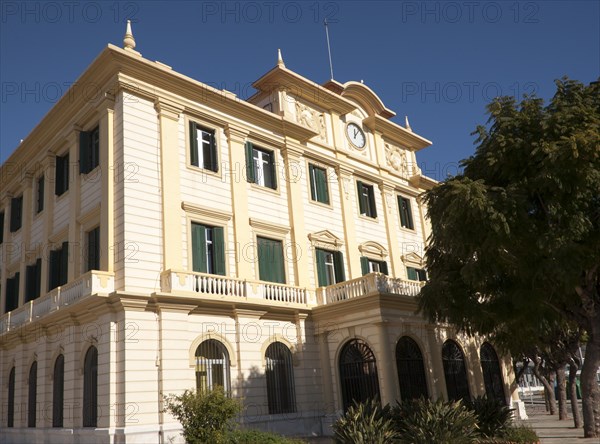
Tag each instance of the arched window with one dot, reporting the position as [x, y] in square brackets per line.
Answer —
[58, 384]
[90, 388]
[455, 371]
[32, 399]
[11, 399]
[281, 391]
[492, 376]
[358, 373]
[212, 366]
[411, 370]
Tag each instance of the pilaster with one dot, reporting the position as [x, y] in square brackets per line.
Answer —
[388, 197]
[236, 138]
[389, 388]
[436, 366]
[26, 216]
[74, 206]
[168, 117]
[346, 183]
[292, 155]
[107, 168]
[49, 178]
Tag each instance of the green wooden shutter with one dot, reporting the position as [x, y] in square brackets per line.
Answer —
[270, 260]
[211, 154]
[85, 152]
[312, 179]
[383, 267]
[53, 270]
[364, 265]
[372, 205]
[64, 263]
[422, 274]
[250, 171]
[338, 263]
[30, 283]
[278, 263]
[38, 277]
[412, 273]
[219, 250]
[193, 145]
[321, 269]
[58, 176]
[16, 211]
[93, 249]
[40, 194]
[273, 170]
[1, 227]
[361, 198]
[199, 248]
[322, 189]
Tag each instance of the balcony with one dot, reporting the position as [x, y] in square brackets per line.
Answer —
[230, 288]
[91, 283]
[370, 284]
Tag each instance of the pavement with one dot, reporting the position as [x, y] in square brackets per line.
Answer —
[551, 430]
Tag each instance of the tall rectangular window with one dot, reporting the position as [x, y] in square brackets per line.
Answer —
[271, 266]
[1, 227]
[406, 219]
[89, 150]
[93, 249]
[62, 175]
[366, 200]
[203, 148]
[16, 213]
[58, 267]
[39, 204]
[368, 265]
[319, 191]
[208, 249]
[416, 274]
[330, 267]
[33, 281]
[260, 166]
[12, 293]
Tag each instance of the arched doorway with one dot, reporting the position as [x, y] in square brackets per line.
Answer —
[492, 375]
[455, 371]
[411, 370]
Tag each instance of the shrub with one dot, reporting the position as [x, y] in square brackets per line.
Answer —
[258, 437]
[423, 421]
[521, 435]
[365, 423]
[206, 417]
[493, 417]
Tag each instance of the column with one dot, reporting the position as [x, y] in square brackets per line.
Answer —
[168, 117]
[236, 138]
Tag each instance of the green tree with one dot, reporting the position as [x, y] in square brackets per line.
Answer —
[517, 234]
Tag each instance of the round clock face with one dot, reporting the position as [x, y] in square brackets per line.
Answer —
[356, 136]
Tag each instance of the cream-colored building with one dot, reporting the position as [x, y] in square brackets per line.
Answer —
[159, 234]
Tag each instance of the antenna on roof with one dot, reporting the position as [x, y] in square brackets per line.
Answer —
[328, 47]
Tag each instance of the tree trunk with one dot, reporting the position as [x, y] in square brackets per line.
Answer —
[573, 392]
[589, 386]
[561, 386]
[548, 389]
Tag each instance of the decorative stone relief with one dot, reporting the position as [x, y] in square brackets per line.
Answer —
[396, 158]
[389, 197]
[312, 119]
[347, 184]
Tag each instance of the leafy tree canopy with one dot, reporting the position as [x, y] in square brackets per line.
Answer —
[517, 234]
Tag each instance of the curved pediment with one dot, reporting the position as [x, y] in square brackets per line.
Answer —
[413, 259]
[373, 249]
[363, 95]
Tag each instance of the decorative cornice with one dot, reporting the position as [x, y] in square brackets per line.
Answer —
[269, 226]
[206, 212]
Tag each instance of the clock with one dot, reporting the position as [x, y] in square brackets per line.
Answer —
[355, 135]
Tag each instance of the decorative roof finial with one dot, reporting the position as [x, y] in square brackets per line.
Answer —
[128, 40]
[406, 124]
[280, 59]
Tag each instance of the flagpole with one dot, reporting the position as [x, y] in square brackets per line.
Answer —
[328, 47]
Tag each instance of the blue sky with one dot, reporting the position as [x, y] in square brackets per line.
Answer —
[437, 62]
